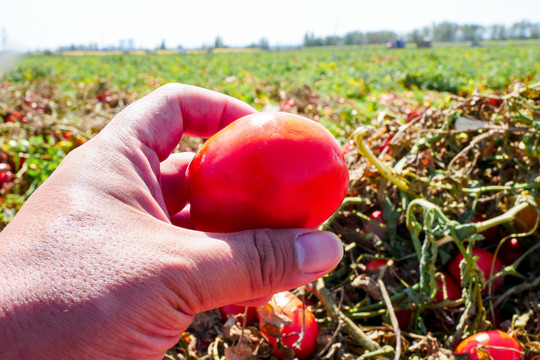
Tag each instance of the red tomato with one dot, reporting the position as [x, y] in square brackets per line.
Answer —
[373, 226]
[6, 175]
[385, 143]
[375, 264]
[526, 219]
[452, 289]
[495, 102]
[286, 303]
[413, 114]
[347, 147]
[404, 318]
[504, 346]
[267, 170]
[239, 312]
[510, 251]
[485, 259]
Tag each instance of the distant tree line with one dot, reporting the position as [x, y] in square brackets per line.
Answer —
[442, 32]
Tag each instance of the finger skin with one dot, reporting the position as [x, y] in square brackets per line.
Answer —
[175, 110]
[183, 219]
[92, 267]
[173, 181]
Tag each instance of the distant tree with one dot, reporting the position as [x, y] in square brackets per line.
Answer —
[472, 32]
[415, 36]
[354, 38]
[311, 40]
[497, 32]
[445, 31]
[520, 29]
[380, 37]
[218, 43]
[162, 46]
[534, 31]
[263, 44]
[331, 40]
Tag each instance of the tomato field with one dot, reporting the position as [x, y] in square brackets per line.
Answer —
[443, 150]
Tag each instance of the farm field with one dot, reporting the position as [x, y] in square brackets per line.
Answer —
[443, 148]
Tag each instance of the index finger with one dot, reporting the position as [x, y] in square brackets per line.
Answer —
[159, 119]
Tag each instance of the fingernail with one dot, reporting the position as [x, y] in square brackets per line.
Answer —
[318, 251]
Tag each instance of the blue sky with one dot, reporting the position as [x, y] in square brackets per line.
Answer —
[42, 24]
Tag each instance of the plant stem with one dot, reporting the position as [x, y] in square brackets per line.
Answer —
[383, 169]
[325, 297]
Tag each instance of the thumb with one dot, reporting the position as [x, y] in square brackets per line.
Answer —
[239, 267]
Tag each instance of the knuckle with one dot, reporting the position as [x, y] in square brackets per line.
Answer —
[270, 258]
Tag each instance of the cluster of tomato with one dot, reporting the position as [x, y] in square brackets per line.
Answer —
[496, 343]
[7, 168]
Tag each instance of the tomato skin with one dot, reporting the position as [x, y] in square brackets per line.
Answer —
[347, 147]
[404, 318]
[526, 219]
[267, 170]
[286, 303]
[496, 338]
[510, 251]
[376, 264]
[485, 259]
[238, 311]
[372, 227]
[453, 290]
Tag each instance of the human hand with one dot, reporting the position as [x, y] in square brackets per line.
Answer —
[92, 266]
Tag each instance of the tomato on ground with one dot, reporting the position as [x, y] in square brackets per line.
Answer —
[289, 305]
[374, 226]
[510, 251]
[453, 290]
[484, 262]
[239, 312]
[267, 170]
[376, 264]
[498, 344]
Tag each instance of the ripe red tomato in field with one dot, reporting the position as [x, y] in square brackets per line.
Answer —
[484, 262]
[267, 170]
[413, 114]
[374, 225]
[347, 147]
[239, 312]
[526, 219]
[510, 251]
[6, 175]
[453, 290]
[289, 305]
[404, 318]
[495, 101]
[498, 344]
[375, 264]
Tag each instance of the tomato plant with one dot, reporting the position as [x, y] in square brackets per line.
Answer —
[484, 262]
[267, 170]
[239, 312]
[498, 344]
[290, 306]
